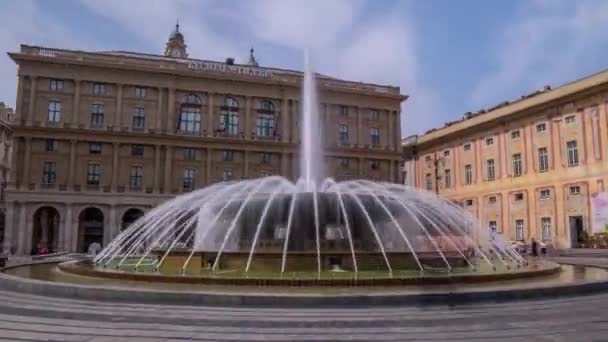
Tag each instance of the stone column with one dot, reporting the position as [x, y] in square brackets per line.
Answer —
[284, 120]
[26, 163]
[529, 150]
[532, 222]
[397, 128]
[67, 232]
[456, 166]
[113, 227]
[156, 168]
[75, 232]
[72, 165]
[32, 105]
[504, 212]
[361, 161]
[19, 103]
[159, 110]
[22, 227]
[561, 221]
[44, 228]
[208, 166]
[391, 128]
[295, 132]
[502, 141]
[246, 166]
[118, 115]
[115, 153]
[9, 227]
[247, 117]
[603, 131]
[360, 140]
[478, 173]
[210, 109]
[167, 183]
[391, 171]
[76, 104]
[171, 128]
[556, 144]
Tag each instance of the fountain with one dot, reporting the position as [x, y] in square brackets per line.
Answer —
[270, 227]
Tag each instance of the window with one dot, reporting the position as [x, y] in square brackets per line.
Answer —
[137, 150]
[491, 169]
[468, 174]
[375, 135]
[344, 110]
[94, 148]
[93, 174]
[492, 199]
[189, 153]
[343, 133]
[468, 203]
[188, 182]
[51, 145]
[229, 117]
[517, 169]
[48, 172]
[448, 178]
[266, 119]
[570, 119]
[54, 111]
[228, 155]
[515, 134]
[429, 182]
[519, 230]
[266, 157]
[97, 115]
[56, 85]
[541, 127]
[375, 115]
[572, 153]
[575, 190]
[344, 162]
[189, 120]
[140, 92]
[467, 147]
[543, 159]
[99, 88]
[139, 118]
[489, 141]
[518, 196]
[493, 226]
[227, 175]
[446, 153]
[136, 177]
[545, 223]
[545, 194]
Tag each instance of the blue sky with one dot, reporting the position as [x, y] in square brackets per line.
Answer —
[449, 56]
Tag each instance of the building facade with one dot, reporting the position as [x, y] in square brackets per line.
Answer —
[6, 140]
[101, 137]
[526, 169]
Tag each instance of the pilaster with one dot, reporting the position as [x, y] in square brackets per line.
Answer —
[76, 104]
[32, 104]
[115, 154]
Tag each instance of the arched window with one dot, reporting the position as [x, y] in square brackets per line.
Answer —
[190, 115]
[229, 117]
[266, 119]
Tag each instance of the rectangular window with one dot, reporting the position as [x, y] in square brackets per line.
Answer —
[97, 115]
[266, 157]
[515, 134]
[93, 174]
[54, 111]
[429, 182]
[468, 174]
[570, 119]
[489, 141]
[375, 115]
[265, 125]
[188, 181]
[136, 177]
[493, 226]
[140, 92]
[375, 135]
[139, 118]
[227, 175]
[137, 150]
[189, 153]
[541, 127]
[575, 190]
[99, 88]
[48, 172]
[448, 179]
[51, 145]
[492, 199]
[344, 162]
[343, 133]
[228, 155]
[344, 110]
[94, 148]
[446, 153]
[467, 147]
[543, 159]
[56, 85]
[572, 153]
[519, 230]
[545, 223]
[491, 169]
[189, 120]
[469, 203]
[517, 169]
[518, 196]
[545, 194]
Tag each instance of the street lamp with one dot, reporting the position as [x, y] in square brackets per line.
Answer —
[434, 163]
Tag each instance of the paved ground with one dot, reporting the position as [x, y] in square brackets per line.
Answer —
[32, 318]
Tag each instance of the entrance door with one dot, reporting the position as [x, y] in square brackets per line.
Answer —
[576, 231]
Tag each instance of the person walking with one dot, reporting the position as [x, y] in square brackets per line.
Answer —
[534, 247]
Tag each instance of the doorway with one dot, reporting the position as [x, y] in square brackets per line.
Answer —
[576, 231]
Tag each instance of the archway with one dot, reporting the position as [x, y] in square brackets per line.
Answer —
[90, 228]
[45, 232]
[129, 217]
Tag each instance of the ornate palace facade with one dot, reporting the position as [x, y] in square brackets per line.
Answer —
[527, 169]
[101, 137]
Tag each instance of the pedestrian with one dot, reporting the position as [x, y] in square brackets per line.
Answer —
[534, 247]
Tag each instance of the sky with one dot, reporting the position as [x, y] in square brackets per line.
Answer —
[449, 57]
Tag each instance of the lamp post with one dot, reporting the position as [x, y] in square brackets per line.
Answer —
[435, 163]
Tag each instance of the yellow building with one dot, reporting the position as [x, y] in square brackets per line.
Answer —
[529, 168]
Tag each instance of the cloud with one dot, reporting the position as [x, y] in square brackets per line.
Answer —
[547, 42]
